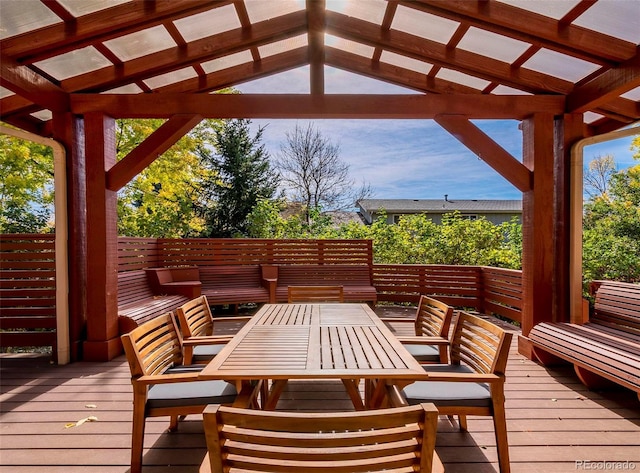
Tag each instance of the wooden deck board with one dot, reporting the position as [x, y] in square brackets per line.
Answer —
[553, 421]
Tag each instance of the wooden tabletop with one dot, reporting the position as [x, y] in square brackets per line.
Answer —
[315, 341]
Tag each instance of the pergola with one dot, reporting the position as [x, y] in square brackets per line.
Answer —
[568, 69]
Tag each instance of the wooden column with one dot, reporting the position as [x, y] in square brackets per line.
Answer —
[68, 129]
[568, 130]
[538, 229]
[103, 341]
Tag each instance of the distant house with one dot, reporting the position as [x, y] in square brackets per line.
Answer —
[495, 211]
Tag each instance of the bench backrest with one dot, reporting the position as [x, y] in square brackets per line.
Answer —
[617, 305]
[320, 275]
[231, 276]
[133, 286]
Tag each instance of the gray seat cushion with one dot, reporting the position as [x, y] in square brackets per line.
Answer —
[206, 352]
[443, 393]
[191, 393]
[426, 353]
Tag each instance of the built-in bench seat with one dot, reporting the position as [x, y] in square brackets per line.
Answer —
[137, 302]
[235, 284]
[607, 347]
[355, 280]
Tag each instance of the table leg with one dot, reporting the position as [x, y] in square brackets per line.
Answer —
[354, 393]
[277, 386]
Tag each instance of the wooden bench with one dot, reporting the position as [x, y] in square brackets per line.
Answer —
[137, 303]
[175, 280]
[606, 348]
[236, 284]
[355, 280]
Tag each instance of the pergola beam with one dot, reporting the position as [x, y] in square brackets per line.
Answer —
[316, 19]
[151, 148]
[488, 150]
[473, 106]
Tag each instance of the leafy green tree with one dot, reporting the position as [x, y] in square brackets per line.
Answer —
[26, 186]
[161, 201]
[611, 229]
[239, 176]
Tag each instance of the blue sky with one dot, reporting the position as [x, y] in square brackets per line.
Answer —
[406, 159]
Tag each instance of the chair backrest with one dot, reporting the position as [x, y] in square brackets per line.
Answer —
[401, 439]
[315, 294]
[153, 347]
[195, 318]
[433, 318]
[480, 344]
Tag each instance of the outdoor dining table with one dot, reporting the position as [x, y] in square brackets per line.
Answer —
[342, 341]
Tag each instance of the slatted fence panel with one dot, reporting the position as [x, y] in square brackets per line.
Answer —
[502, 292]
[137, 253]
[234, 251]
[27, 291]
[458, 286]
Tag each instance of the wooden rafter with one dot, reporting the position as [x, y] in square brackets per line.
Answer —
[530, 27]
[436, 53]
[315, 19]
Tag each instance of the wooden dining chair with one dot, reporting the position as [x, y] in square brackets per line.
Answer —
[162, 386]
[397, 439]
[472, 384]
[430, 344]
[200, 340]
[315, 294]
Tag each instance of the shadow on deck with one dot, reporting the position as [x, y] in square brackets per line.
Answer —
[554, 422]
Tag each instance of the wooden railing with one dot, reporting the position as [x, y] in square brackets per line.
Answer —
[27, 275]
[27, 290]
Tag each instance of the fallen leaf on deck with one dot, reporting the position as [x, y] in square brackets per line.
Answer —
[90, 406]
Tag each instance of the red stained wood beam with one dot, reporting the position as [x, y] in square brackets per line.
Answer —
[473, 106]
[488, 150]
[316, 21]
[147, 151]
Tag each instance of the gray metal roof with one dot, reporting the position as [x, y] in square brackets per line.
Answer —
[440, 205]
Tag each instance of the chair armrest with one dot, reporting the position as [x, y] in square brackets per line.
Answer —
[463, 377]
[207, 340]
[232, 319]
[168, 378]
[419, 340]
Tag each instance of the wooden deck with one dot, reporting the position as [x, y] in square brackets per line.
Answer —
[553, 422]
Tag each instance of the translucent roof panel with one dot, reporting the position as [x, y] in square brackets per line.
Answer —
[20, 16]
[492, 45]
[405, 62]
[423, 24]
[171, 77]
[590, 117]
[214, 21]
[352, 47]
[141, 43]
[226, 62]
[125, 89]
[260, 10]
[506, 90]
[633, 94]
[552, 8]
[338, 81]
[84, 7]
[367, 10]
[618, 18]
[5, 93]
[461, 78]
[283, 46]
[74, 63]
[43, 115]
[560, 65]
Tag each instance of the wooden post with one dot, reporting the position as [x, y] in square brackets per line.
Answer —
[69, 130]
[538, 230]
[568, 130]
[103, 340]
